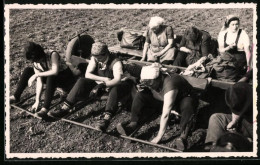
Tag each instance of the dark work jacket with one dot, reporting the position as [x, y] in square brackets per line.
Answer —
[108, 71]
[201, 46]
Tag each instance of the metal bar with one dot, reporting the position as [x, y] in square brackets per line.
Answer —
[79, 124]
[122, 136]
[30, 113]
[149, 143]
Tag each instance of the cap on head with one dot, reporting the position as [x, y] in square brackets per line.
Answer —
[156, 21]
[99, 48]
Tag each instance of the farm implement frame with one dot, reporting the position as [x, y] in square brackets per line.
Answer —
[81, 105]
[132, 56]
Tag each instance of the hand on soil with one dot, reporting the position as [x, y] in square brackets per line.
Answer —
[156, 140]
[34, 107]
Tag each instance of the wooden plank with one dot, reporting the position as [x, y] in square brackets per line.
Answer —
[221, 84]
[132, 52]
[198, 83]
[195, 82]
[21, 109]
[143, 63]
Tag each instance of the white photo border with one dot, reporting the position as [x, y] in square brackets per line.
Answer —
[9, 7]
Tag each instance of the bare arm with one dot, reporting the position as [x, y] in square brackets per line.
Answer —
[53, 71]
[169, 99]
[221, 48]
[39, 87]
[69, 49]
[184, 49]
[54, 67]
[234, 121]
[146, 46]
[90, 69]
[117, 73]
[167, 47]
[74, 70]
[248, 57]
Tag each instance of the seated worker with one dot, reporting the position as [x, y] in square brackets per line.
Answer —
[235, 42]
[48, 68]
[195, 44]
[159, 44]
[165, 91]
[106, 70]
[80, 46]
[239, 99]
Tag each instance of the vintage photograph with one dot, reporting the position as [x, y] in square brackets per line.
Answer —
[130, 80]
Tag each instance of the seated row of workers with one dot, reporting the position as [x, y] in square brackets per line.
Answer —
[106, 71]
[160, 45]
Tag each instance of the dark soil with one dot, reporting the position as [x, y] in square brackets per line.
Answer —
[52, 28]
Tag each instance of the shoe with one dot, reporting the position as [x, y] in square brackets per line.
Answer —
[59, 113]
[125, 129]
[42, 113]
[63, 94]
[180, 144]
[13, 100]
[207, 148]
[103, 123]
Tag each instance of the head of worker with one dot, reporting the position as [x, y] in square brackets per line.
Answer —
[232, 23]
[100, 51]
[232, 142]
[151, 76]
[156, 23]
[192, 34]
[34, 52]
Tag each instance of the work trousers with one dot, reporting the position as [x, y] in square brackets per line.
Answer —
[145, 104]
[217, 127]
[83, 87]
[64, 80]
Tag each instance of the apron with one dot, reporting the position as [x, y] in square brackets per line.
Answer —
[158, 43]
[240, 56]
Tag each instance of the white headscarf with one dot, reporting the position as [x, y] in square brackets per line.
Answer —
[155, 21]
[150, 72]
[225, 26]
